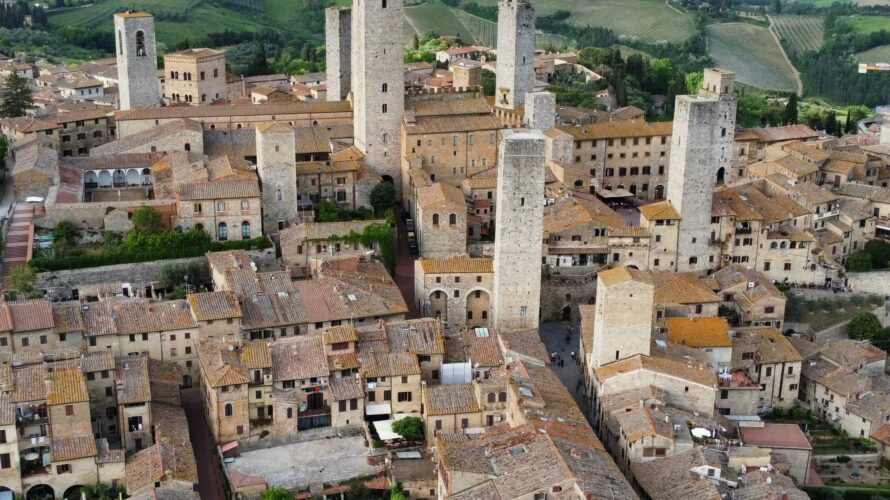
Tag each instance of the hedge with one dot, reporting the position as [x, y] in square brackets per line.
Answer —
[865, 492]
[143, 248]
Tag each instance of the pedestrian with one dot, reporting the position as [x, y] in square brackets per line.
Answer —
[573, 355]
[568, 338]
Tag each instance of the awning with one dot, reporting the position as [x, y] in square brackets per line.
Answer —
[614, 193]
[408, 454]
[228, 446]
[384, 430]
[378, 409]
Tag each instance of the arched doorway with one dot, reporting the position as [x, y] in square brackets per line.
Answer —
[186, 380]
[567, 313]
[40, 492]
[439, 306]
[90, 179]
[388, 179]
[104, 178]
[478, 306]
[119, 178]
[73, 493]
[721, 175]
[133, 177]
[659, 192]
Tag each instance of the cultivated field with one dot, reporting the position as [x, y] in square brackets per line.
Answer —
[647, 20]
[799, 33]
[868, 24]
[753, 54]
[875, 55]
[433, 15]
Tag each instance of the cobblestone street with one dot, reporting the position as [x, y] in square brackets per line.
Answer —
[553, 334]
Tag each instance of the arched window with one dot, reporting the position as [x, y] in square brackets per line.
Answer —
[199, 226]
[172, 75]
[773, 245]
[723, 132]
[245, 230]
[783, 245]
[502, 397]
[215, 73]
[140, 43]
[385, 88]
[223, 231]
[290, 413]
[435, 219]
[278, 195]
[452, 219]
[187, 147]
[228, 409]
[491, 397]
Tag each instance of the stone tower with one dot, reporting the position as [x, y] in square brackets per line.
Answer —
[276, 167]
[540, 110]
[516, 52]
[378, 84]
[137, 61]
[519, 223]
[701, 157]
[622, 323]
[338, 43]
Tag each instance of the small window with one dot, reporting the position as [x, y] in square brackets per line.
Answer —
[228, 409]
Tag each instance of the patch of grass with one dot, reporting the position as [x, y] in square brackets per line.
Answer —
[799, 33]
[649, 21]
[868, 24]
[752, 53]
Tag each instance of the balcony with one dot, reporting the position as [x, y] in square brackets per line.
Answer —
[31, 416]
[743, 230]
[29, 442]
[825, 215]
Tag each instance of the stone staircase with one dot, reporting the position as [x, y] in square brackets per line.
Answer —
[19, 242]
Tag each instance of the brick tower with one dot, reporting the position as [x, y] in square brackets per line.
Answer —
[701, 157]
[516, 52]
[378, 84]
[137, 60]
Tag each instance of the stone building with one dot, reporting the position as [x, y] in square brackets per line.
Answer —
[304, 244]
[338, 52]
[441, 221]
[36, 169]
[622, 323]
[137, 60]
[276, 153]
[195, 76]
[457, 291]
[663, 224]
[519, 222]
[378, 85]
[700, 158]
[516, 53]
[770, 360]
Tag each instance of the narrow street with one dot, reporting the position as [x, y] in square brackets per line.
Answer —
[405, 267]
[210, 477]
[553, 334]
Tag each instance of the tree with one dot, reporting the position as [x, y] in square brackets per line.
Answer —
[277, 493]
[17, 97]
[777, 6]
[64, 235]
[859, 262]
[790, 116]
[147, 220]
[880, 253]
[864, 326]
[488, 80]
[395, 492]
[410, 428]
[831, 125]
[21, 281]
[416, 42]
[327, 211]
[383, 196]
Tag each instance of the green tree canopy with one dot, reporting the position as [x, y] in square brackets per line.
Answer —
[790, 117]
[17, 97]
[64, 235]
[21, 281]
[277, 493]
[327, 211]
[147, 220]
[410, 428]
[880, 253]
[864, 326]
[383, 196]
[859, 262]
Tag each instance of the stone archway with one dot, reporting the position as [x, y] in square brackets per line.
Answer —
[567, 313]
[40, 492]
[721, 176]
[478, 307]
[73, 493]
[104, 178]
[659, 192]
[439, 306]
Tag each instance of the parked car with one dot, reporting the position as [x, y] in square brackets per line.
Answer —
[409, 224]
[413, 247]
[412, 236]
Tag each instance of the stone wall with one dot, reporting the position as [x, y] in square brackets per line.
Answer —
[516, 47]
[137, 61]
[89, 215]
[877, 282]
[561, 291]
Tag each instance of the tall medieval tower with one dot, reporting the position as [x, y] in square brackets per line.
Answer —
[338, 47]
[378, 84]
[519, 223]
[701, 157]
[516, 52]
[276, 167]
[137, 60]
[625, 301]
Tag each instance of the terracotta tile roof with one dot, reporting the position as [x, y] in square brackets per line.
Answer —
[483, 351]
[839, 379]
[882, 435]
[67, 317]
[622, 275]
[758, 485]
[769, 344]
[449, 399]
[29, 383]
[347, 361]
[525, 343]
[421, 336]
[299, 358]
[133, 382]
[681, 288]
[347, 388]
[618, 129]
[873, 406]
[7, 409]
[440, 195]
[486, 182]
[379, 363]
[661, 210]
[450, 105]
[659, 365]
[786, 133]
[256, 355]
[812, 193]
[209, 306]
[448, 124]
[672, 478]
[239, 479]
[775, 436]
[699, 332]
[456, 265]
[863, 191]
[30, 315]
[66, 386]
[221, 363]
[338, 334]
[220, 189]
[628, 232]
[277, 108]
[134, 141]
[72, 448]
